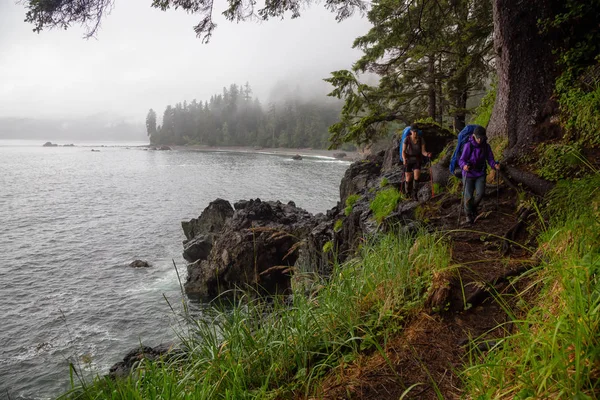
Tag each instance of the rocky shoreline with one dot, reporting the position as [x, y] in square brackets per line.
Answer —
[258, 246]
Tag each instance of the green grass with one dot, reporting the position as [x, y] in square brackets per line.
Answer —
[269, 350]
[337, 226]
[554, 349]
[350, 201]
[384, 203]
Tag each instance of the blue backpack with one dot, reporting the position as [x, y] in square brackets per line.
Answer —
[463, 137]
[405, 134]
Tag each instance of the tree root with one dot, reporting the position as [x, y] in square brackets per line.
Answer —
[496, 286]
[514, 230]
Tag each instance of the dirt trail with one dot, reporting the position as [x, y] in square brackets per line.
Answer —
[432, 350]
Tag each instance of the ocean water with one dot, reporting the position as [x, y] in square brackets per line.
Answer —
[71, 220]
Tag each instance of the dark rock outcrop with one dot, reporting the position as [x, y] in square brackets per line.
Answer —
[211, 220]
[139, 264]
[200, 232]
[123, 369]
[257, 248]
[297, 157]
[340, 155]
[260, 244]
[359, 174]
[49, 144]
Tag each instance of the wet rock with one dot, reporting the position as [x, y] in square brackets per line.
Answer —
[198, 248]
[211, 220]
[297, 157]
[49, 144]
[359, 174]
[257, 248]
[139, 264]
[340, 155]
[123, 369]
[164, 148]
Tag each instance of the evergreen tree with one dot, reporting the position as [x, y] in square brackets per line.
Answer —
[431, 57]
[151, 125]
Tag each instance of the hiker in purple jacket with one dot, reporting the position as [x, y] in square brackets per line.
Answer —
[475, 154]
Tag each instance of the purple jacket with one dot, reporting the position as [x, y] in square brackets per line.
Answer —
[475, 155]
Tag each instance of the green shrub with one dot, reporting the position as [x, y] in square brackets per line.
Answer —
[350, 201]
[560, 161]
[327, 247]
[337, 226]
[384, 182]
[580, 114]
[384, 203]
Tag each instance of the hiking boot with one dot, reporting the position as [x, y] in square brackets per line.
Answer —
[406, 189]
[415, 191]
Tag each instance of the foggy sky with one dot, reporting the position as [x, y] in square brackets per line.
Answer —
[144, 58]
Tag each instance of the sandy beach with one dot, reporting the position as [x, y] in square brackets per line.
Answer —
[350, 155]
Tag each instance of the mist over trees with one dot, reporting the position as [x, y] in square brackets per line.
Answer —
[236, 118]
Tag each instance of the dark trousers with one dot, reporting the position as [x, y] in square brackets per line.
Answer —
[474, 188]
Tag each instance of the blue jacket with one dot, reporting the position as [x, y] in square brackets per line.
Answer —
[476, 155]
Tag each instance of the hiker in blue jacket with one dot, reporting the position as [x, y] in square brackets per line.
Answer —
[475, 154]
[413, 151]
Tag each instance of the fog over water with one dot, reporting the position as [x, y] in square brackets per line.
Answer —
[144, 58]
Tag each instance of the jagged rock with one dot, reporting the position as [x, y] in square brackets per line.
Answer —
[256, 248]
[359, 174]
[198, 248]
[139, 264]
[123, 369]
[312, 257]
[211, 220]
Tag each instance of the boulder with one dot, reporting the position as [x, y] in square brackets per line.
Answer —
[49, 144]
[257, 249]
[123, 369]
[340, 155]
[139, 264]
[297, 157]
[358, 176]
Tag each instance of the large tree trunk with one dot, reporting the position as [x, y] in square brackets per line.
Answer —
[527, 72]
[431, 88]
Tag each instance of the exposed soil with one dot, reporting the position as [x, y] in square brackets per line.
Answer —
[463, 317]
